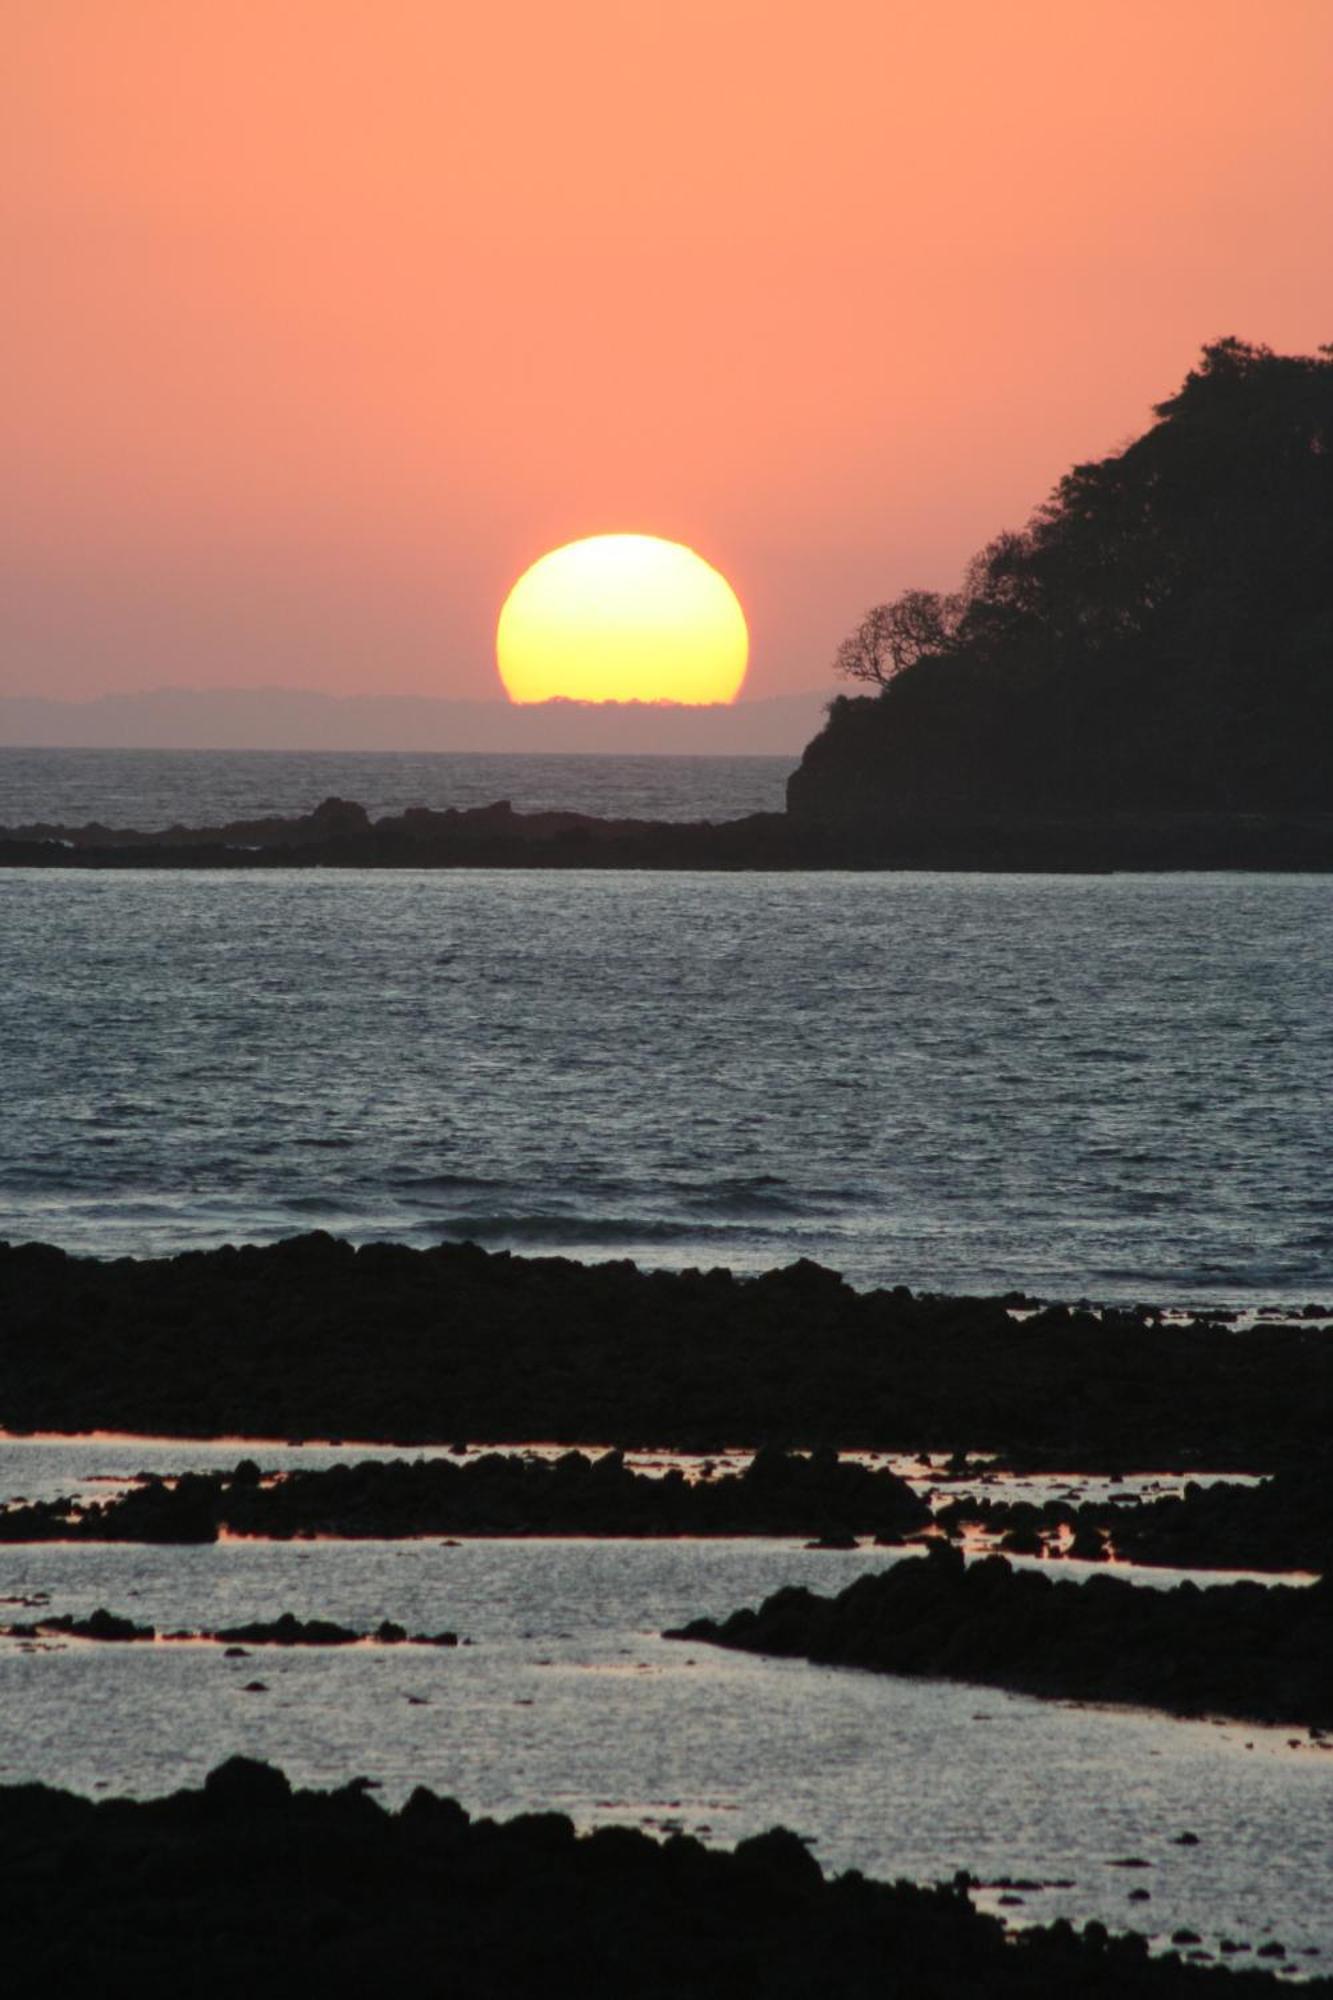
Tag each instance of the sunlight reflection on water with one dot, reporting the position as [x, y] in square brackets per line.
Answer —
[1114, 1087]
[568, 1698]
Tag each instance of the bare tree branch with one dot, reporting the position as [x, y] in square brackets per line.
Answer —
[892, 637]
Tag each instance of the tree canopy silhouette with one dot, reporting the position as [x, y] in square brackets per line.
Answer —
[892, 637]
[1159, 634]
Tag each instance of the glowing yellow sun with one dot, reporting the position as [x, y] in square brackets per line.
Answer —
[622, 618]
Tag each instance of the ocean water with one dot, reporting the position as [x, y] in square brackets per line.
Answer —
[569, 1698]
[158, 788]
[1115, 1087]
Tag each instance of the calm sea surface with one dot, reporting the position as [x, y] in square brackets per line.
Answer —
[568, 1698]
[1117, 1087]
[158, 788]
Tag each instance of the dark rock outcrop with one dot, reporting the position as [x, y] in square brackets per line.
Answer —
[339, 834]
[313, 1338]
[1285, 1523]
[498, 1494]
[495, 837]
[1262, 1653]
[249, 1886]
[285, 1630]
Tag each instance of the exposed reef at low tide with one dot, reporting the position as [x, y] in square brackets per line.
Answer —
[1285, 1523]
[1257, 1652]
[108, 1628]
[249, 1886]
[312, 1338]
[778, 1493]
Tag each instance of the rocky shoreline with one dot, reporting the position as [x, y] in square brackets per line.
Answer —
[1285, 1523]
[777, 1494]
[107, 1628]
[1257, 1652]
[312, 1338]
[247, 1885]
[339, 833]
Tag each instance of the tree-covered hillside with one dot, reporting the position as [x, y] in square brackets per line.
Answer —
[1159, 637]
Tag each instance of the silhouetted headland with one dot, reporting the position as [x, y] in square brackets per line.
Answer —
[315, 1338]
[1256, 1651]
[1156, 642]
[1141, 678]
[247, 1886]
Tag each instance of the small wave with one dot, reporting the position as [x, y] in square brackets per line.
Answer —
[583, 1232]
[767, 1195]
[442, 1183]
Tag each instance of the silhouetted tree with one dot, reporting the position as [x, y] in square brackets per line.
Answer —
[1161, 631]
[893, 637]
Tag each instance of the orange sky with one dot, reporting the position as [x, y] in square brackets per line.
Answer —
[324, 318]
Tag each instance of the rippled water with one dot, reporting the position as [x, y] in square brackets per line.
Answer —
[568, 1698]
[1113, 1086]
[159, 788]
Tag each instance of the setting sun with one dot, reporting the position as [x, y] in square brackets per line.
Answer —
[622, 618]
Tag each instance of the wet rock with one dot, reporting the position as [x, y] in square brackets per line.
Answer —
[246, 1784]
[1190, 1651]
[101, 1625]
[440, 1343]
[778, 1493]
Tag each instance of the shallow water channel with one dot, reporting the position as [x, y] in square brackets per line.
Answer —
[567, 1697]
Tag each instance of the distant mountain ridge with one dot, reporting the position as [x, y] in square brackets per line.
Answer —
[296, 719]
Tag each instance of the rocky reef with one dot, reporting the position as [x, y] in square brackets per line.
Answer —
[1254, 1651]
[778, 1493]
[247, 1885]
[312, 1338]
[107, 1628]
[1285, 1523]
[339, 833]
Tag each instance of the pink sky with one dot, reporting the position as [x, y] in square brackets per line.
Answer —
[324, 318]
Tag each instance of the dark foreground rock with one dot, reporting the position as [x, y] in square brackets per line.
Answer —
[1258, 1652]
[1285, 1523]
[248, 1887]
[312, 1338]
[285, 1630]
[778, 1493]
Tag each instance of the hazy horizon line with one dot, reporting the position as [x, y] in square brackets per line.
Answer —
[288, 691]
[295, 719]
